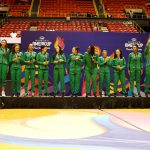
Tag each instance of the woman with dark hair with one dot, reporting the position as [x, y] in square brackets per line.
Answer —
[16, 59]
[43, 62]
[135, 68]
[74, 64]
[147, 58]
[30, 60]
[4, 65]
[90, 62]
[118, 65]
[104, 62]
[59, 59]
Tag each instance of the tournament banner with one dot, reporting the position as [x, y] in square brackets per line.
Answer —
[67, 40]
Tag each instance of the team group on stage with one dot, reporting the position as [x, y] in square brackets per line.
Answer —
[74, 64]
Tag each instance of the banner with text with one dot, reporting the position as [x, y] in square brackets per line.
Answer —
[67, 40]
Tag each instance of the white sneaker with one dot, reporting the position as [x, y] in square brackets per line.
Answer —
[26, 94]
[2, 105]
[3, 93]
[32, 94]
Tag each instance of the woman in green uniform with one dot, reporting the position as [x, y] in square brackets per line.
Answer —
[90, 65]
[104, 63]
[135, 68]
[30, 60]
[59, 59]
[4, 65]
[16, 60]
[43, 61]
[147, 58]
[118, 65]
[74, 64]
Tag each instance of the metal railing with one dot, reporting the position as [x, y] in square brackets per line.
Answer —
[138, 28]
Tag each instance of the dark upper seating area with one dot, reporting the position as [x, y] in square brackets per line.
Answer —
[116, 8]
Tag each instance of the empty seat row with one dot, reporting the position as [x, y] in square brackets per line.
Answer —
[84, 26]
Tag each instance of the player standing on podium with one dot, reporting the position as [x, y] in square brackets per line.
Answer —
[4, 65]
[16, 60]
[30, 60]
[74, 64]
[43, 62]
[58, 60]
[118, 65]
[104, 62]
[90, 65]
[135, 69]
[147, 58]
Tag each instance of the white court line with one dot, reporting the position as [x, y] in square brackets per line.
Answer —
[115, 140]
[124, 121]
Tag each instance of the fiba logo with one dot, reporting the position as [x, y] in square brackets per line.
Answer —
[129, 44]
[133, 39]
[42, 38]
[41, 41]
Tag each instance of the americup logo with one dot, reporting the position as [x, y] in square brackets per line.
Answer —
[128, 45]
[41, 41]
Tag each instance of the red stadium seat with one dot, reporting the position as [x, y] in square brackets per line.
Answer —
[18, 26]
[63, 8]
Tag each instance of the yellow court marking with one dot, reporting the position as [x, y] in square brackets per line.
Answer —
[50, 124]
[9, 114]
[16, 147]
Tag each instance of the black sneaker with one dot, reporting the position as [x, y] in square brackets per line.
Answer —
[76, 95]
[100, 94]
[139, 94]
[12, 95]
[50, 95]
[95, 95]
[87, 95]
[40, 95]
[63, 94]
[54, 95]
[115, 94]
[72, 95]
[133, 95]
[45, 94]
[18, 94]
[146, 94]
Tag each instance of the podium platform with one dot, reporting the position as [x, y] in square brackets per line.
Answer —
[76, 102]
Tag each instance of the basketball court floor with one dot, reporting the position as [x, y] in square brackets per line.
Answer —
[74, 129]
